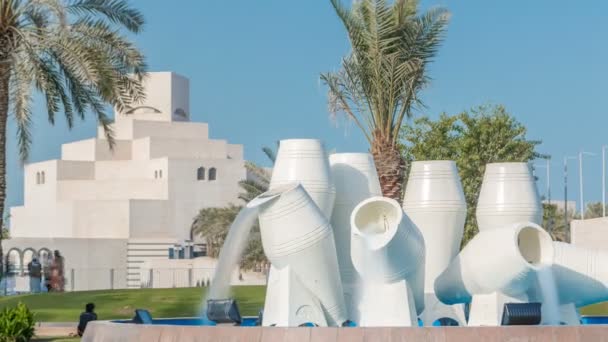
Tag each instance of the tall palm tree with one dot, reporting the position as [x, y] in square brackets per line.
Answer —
[378, 83]
[73, 53]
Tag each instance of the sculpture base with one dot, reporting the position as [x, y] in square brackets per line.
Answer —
[288, 303]
[434, 309]
[386, 305]
[486, 309]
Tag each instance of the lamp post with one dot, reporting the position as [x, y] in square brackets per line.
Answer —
[566, 190]
[580, 179]
[604, 180]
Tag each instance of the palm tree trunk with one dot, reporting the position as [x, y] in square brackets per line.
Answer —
[4, 94]
[390, 166]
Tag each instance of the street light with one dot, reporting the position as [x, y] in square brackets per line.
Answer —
[604, 180]
[566, 189]
[580, 179]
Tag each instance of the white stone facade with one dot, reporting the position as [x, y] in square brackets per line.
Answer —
[146, 191]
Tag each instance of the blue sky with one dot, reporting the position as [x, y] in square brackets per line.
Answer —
[254, 66]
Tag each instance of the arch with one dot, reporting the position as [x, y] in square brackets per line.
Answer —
[14, 261]
[155, 174]
[42, 180]
[445, 322]
[46, 256]
[37, 177]
[27, 256]
[180, 113]
[142, 110]
[200, 173]
[212, 174]
[160, 173]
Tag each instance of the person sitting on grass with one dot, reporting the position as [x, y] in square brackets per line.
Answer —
[85, 317]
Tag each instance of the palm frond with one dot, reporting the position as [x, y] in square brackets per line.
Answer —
[117, 11]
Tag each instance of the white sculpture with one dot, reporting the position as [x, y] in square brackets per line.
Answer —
[356, 179]
[387, 251]
[435, 203]
[497, 266]
[299, 242]
[508, 195]
[581, 274]
[304, 161]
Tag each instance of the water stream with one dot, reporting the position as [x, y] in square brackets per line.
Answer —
[548, 289]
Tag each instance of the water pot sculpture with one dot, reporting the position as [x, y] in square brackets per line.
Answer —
[356, 179]
[387, 251]
[299, 242]
[435, 203]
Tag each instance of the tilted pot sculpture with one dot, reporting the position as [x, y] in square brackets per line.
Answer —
[435, 203]
[387, 251]
[356, 179]
[303, 161]
[503, 261]
[299, 242]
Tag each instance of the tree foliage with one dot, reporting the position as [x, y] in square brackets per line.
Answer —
[378, 83]
[213, 223]
[486, 134]
[74, 54]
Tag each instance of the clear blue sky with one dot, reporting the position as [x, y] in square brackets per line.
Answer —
[254, 69]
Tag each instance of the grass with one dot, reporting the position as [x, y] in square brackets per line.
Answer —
[114, 304]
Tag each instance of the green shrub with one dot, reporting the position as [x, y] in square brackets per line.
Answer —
[16, 324]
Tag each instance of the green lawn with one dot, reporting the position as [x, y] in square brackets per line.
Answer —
[183, 302]
[65, 307]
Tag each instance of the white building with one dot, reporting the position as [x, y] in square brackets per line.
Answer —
[114, 210]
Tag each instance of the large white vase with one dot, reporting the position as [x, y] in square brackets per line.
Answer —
[435, 203]
[297, 235]
[356, 179]
[305, 161]
[508, 195]
[387, 251]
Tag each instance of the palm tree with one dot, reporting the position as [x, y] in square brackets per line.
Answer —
[378, 83]
[71, 52]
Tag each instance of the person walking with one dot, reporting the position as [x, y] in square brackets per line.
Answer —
[35, 271]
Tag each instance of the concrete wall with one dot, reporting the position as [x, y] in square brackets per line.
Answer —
[591, 233]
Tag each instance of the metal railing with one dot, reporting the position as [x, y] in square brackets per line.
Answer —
[18, 281]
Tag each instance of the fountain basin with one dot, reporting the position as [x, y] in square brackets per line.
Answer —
[113, 331]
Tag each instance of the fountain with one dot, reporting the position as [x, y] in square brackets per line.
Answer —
[340, 252]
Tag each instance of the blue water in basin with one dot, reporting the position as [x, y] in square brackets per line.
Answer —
[247, 321]
[251, 321]
[593, 320]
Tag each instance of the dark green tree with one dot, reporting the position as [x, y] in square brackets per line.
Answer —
[486, 134]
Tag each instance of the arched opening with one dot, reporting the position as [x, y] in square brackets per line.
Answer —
[42, 180]
[212, 174]
[37, 177]
[445, 322]
[200, 173]
[160, 173]
[28, 255]
[13, 261]
[155, 174]
[46, 256]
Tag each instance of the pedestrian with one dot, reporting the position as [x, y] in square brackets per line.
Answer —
[35, 271]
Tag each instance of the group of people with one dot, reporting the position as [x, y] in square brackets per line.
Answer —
[53, 273]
